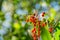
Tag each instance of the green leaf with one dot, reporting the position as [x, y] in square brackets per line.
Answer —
[45, 34]
[14, 38]
[57, 34]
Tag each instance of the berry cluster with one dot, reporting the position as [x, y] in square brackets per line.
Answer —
[34, 19]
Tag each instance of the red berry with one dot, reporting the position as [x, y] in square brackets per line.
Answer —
[34, 30]
[31, 20]
[35, 37]
[43, 24]
[43, 14]
[34, 24]
[50, 29]
[39, 22]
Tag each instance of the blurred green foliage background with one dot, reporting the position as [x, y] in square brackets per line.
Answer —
[13, 14]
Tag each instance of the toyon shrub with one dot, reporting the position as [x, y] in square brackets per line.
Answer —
[39, 22]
